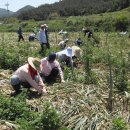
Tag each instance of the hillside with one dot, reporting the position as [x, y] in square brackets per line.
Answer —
[75, 8]
[5, 13]
[24, 9]
[118, 20]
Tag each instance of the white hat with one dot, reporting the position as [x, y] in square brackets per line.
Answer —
[44, 25]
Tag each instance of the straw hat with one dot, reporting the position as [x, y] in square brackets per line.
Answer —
[34, 63]
[44, 25]
[76, 51]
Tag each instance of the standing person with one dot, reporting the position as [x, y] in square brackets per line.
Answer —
[51, 68]
[28, 76]
[20, 34]
[43, 37]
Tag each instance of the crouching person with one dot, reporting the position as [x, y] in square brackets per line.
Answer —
[28, 76]
[51, 68]
[62, 44]
[65, 56]
[69, 56]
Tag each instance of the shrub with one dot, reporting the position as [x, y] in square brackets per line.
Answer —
[14, 108]
[119, 124]
[50, 119]
[122, 24]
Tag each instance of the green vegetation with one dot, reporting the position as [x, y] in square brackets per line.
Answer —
[95, 94]
[73, 8]
[119, 124]
[117, 21]
[25, 117]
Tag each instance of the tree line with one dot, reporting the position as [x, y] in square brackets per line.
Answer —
[65, 8]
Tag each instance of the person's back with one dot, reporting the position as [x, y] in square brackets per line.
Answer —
[62, 44]
[51, 68]
[32, 37]
[19, 31]
[65, 56]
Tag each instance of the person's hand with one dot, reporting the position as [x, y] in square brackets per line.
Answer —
[62, 81]
[44, 90]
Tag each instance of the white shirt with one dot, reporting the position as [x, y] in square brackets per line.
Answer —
[42, 36]
[61, 56]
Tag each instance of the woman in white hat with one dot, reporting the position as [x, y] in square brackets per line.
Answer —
[28, 76]
[68, 54]
[65, 56]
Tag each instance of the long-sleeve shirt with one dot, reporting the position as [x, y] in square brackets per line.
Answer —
[47, 67]
[61, 56]
[20, 32]
[42, 36]
[24, 76]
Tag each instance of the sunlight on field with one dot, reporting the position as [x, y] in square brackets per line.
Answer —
[82, 106]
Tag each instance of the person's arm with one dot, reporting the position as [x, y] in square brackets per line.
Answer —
[41, 84]
[38, 86]
[40, 37]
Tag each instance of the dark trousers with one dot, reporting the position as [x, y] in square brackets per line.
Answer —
[20, 37]
[53, 75]
[18, 87]
[47, 45]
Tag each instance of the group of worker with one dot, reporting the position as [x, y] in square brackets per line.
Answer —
[37, 72]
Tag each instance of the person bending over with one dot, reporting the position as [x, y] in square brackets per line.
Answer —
[28, 76]
[50, 69]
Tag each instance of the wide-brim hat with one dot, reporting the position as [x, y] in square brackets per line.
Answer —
[76, 51]
[44, 25]
[34, 63]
